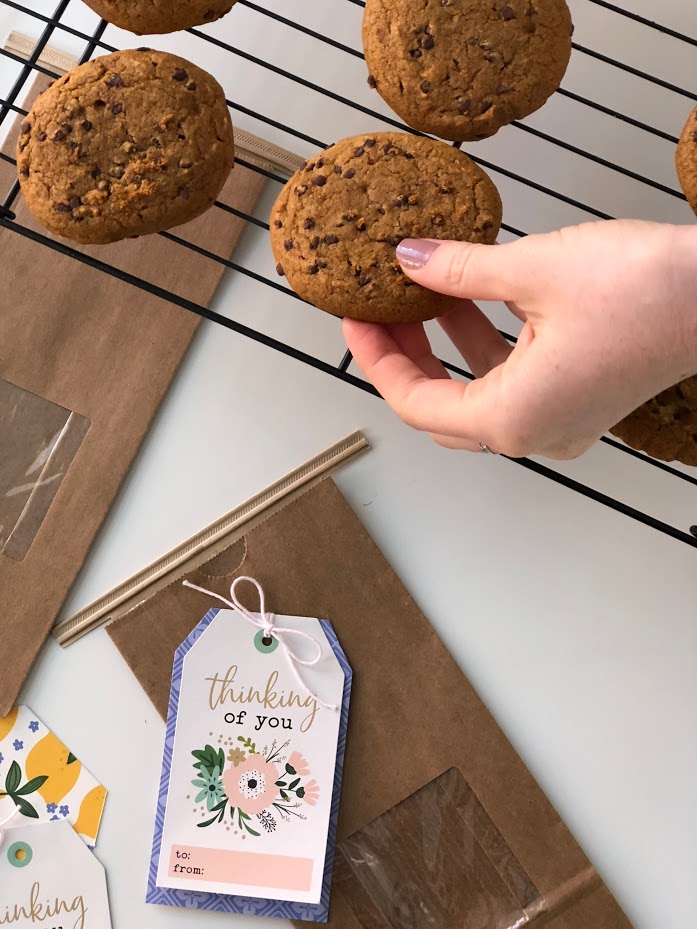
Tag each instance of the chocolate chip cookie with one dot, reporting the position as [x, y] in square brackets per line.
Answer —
[148, 17]
[686, 160]
[336, 224]
[128, 144]
[461, 69]
[665, 427]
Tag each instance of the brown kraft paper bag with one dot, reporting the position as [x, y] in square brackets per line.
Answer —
[85, 360]
[441, 824]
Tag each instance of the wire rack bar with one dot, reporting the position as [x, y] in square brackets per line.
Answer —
[95, 41]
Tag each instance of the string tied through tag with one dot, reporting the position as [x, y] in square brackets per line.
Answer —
[266, 622]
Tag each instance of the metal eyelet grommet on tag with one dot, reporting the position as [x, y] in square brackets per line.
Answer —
[20, 854]
[266, 644]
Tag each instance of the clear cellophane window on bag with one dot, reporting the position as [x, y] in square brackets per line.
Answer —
[38, 442]
[435, 861]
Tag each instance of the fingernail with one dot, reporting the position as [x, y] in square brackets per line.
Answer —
[415, 253]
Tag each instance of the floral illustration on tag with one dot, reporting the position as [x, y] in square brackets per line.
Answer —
[250, 788]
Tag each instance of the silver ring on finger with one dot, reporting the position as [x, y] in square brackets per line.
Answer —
[486, 449]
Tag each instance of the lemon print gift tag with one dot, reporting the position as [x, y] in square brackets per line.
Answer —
[41, 777]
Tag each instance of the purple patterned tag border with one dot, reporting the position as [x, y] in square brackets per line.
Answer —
[226, 903]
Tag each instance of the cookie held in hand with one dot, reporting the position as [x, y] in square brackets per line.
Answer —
[665, 427]
[462, 69]
[337, 222]
[150, 17]
[125, 145]
[686, 160]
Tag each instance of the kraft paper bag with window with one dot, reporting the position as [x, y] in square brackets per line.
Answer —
[441, 824]
[85, 361]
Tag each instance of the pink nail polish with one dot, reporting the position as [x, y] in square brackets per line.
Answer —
[414, 254]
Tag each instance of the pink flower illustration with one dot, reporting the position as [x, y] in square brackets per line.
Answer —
[311, 793]
[296, 761]
[251, 786]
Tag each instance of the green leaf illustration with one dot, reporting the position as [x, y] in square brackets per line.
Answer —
[209, 822]
[300, 793]
[13, 779]
[294, 784]
[71, 758]
[290, 770]
[221, 759]
[281, 784]
[25, 808]
[32, 786]
[284, 795]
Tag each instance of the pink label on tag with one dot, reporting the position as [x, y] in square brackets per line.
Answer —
[247, 868]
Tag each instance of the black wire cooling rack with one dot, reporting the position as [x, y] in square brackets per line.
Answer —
[94, 43]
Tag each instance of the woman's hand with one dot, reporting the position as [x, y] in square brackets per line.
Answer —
[610, 313]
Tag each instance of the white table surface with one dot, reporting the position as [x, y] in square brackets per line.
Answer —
[576, 624]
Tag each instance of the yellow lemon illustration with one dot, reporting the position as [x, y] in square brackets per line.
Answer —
[7, 723]
[91, 812]
[51, 758]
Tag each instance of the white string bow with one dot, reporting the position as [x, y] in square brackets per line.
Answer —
[266, 621]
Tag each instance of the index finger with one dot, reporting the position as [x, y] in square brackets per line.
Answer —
[447, 407]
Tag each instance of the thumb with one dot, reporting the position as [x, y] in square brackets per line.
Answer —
[477, 272]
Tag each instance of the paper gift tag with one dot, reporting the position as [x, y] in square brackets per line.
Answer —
[252, 765]
[49, 878]
[42, 780]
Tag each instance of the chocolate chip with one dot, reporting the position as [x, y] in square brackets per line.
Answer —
[117, 108]
[185, 193]
[389, 148]
[349, 173]
[25, 128]
[427, 41]
[24, 172]
[86, 125]
[58, 135]
[62, 208]
[372, 83]
[321, 264]
[394, 240]
[313, 269]
[337, 169]
[359, 152]
[409, 156]
[438, 219]
[694, 136]
[331, 239]
[179, 74]
[191, 85]
[507, 13]
[314, 243]
[114, 80]
[402, 201]
[486, 106]
[319, 180]
[99, 104]
[488, 225]
[490, 56]
[95, 172]
[416, 53]
[280, 271]
[138, 180]
[369, 143]
[425, 87]
[75, 202]
[67, 128]
[361, 225]
[363, 280]
[309, 223]
[278, 224]
[41, 137]
[320, 162]
[300, 191]
[288, 244]
[143, 48]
